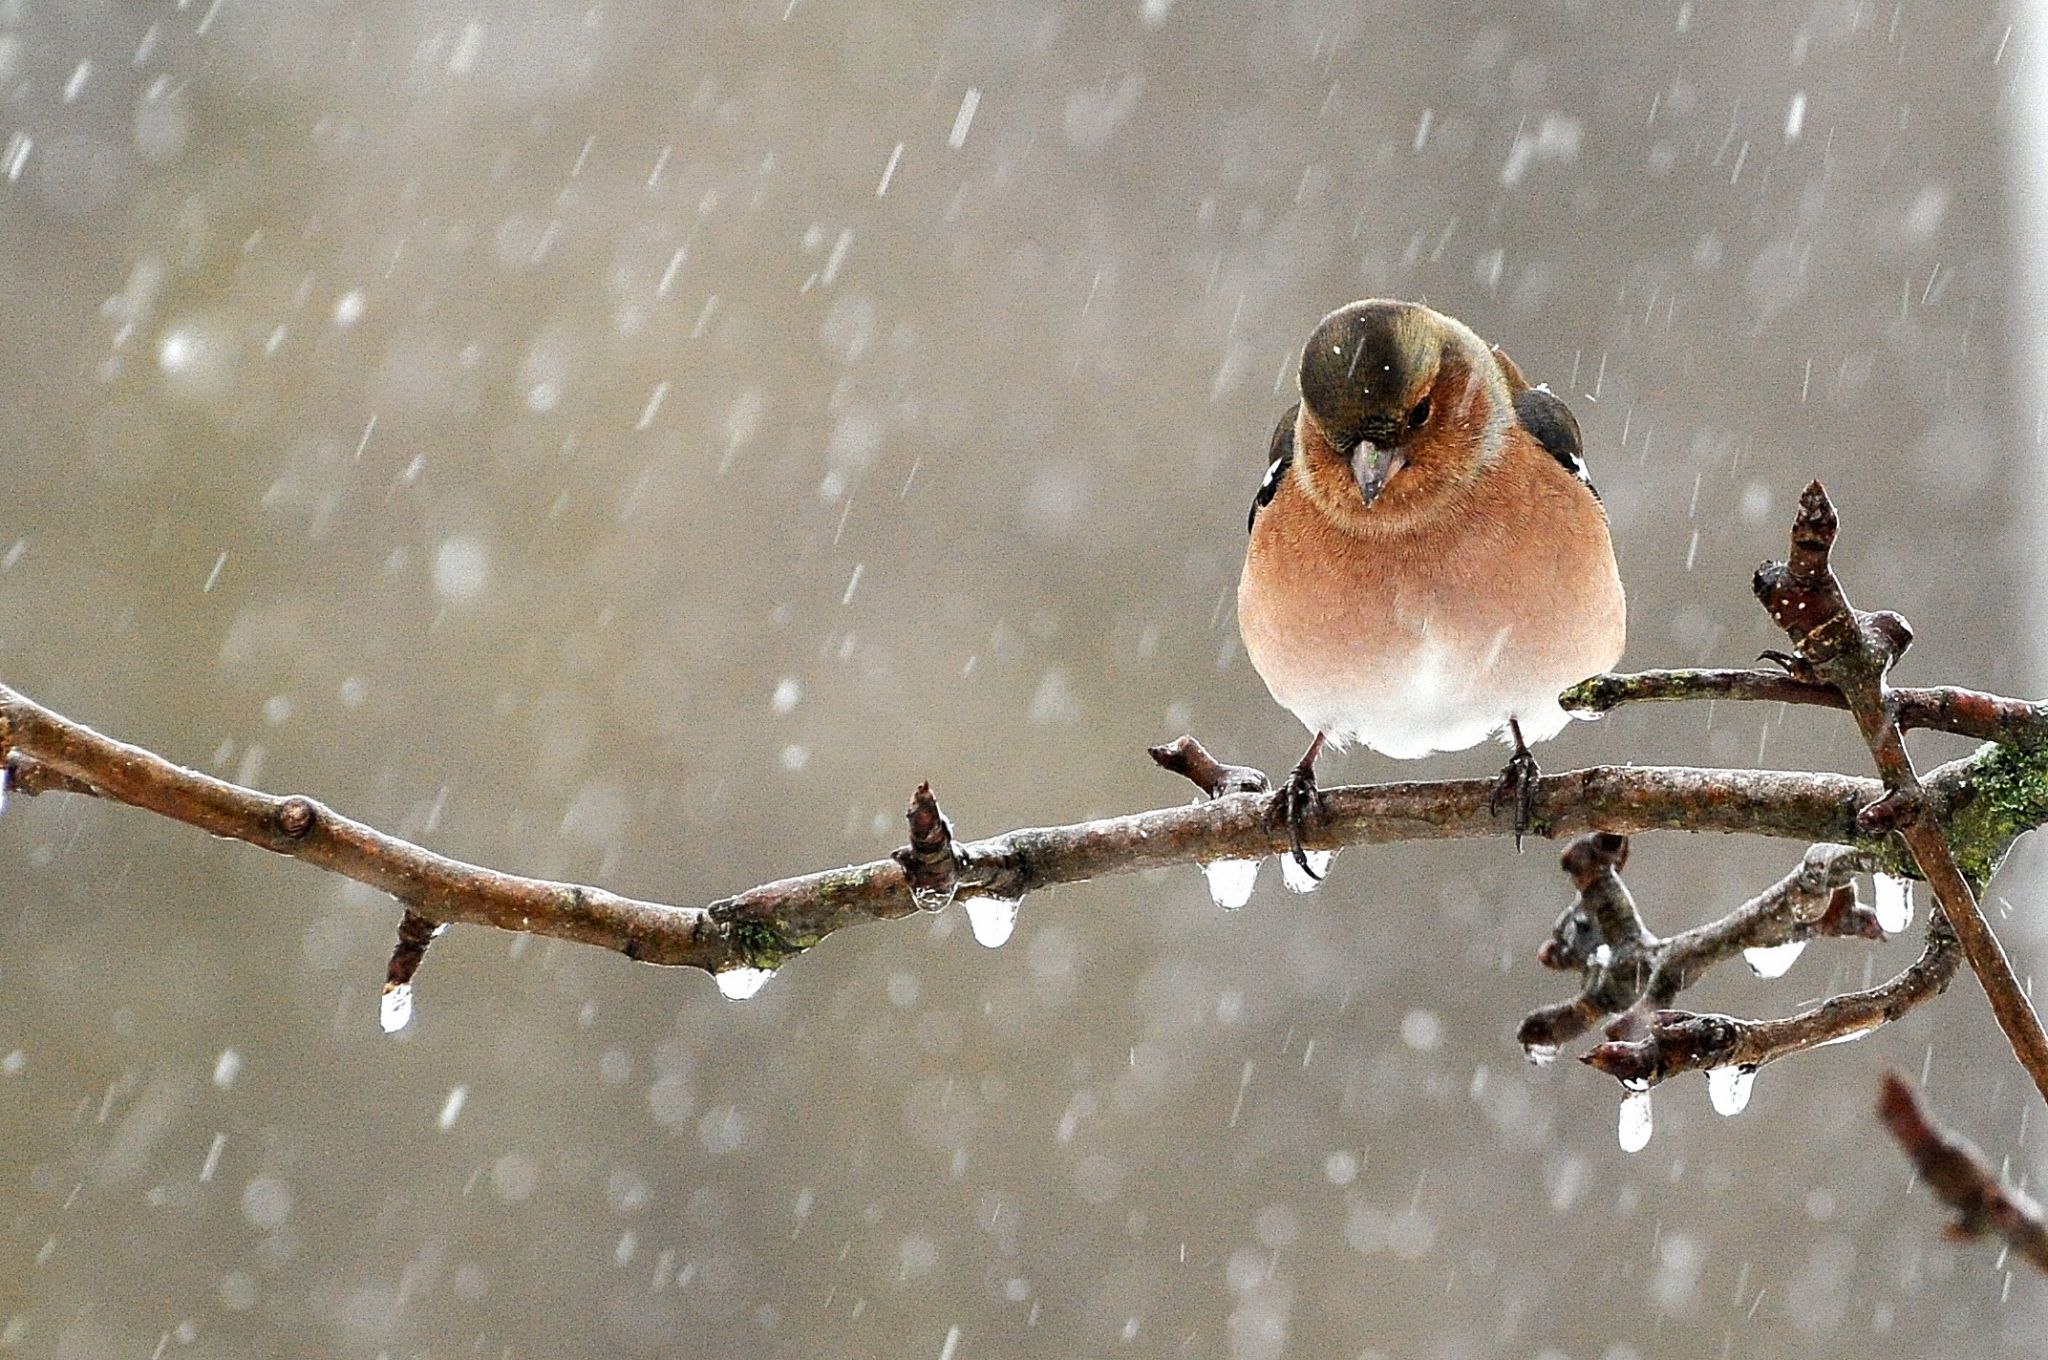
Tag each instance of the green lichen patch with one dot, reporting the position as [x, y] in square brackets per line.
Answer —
[2000, 793]
[1597, 694]
[762, 945]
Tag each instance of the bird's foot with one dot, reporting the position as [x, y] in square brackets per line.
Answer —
[1296, 800]
[1518, 782]
[1798, 667]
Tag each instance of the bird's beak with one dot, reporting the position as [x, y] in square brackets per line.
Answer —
[1373, 465]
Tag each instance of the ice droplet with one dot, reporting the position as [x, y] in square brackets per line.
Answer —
[991, 919]
[1540, 1055]
[451, 1108]
[1894, 902]
[1772, 960]
[1230, 881]
[396, 1011]
[1636, 1122]
[930, 898]
[1299, 881]
[740, 983]
[1728, 1088]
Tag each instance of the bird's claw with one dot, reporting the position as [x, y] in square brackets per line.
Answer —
[1518, 781]
[1295, 801]
[1798, 667]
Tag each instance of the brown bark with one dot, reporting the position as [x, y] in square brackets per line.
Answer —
[1852, 651]
[1958, 1173]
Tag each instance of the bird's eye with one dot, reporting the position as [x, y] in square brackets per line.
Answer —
[1419, 417]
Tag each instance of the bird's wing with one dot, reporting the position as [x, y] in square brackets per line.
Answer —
[1280, 452]
[1512, 371]
[1544, 415]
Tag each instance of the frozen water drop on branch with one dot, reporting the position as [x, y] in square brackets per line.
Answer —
[1728, 1088]
[1636, 1121]
[991, 919]
[1230, 881]
[1894, 904]
[1851, 1037]
[740, 983]
[1298, 880]
[396, 1011]
[1772, 960]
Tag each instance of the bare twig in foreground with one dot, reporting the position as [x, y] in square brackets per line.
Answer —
[1957, 1172]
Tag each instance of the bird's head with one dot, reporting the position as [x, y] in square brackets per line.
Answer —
[1400, 405]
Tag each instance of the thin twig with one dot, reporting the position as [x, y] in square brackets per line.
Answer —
[1667, 1042]
[1633, 974]
[1852, 651]
[415, 934]
[931, 868]
[1944, 708]
[1956, 1171]
[1190, 760]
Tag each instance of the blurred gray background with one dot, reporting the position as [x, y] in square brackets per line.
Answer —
[638, 442]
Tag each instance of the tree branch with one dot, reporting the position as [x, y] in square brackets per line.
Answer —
[762, 926]
[1957, 1172]
[46, 752]
[1666, 1042]
[1853, 650]
[1944, 708]
[1634, 975]
[1974, 806]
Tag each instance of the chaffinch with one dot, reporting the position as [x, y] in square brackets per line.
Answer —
[1429, 563]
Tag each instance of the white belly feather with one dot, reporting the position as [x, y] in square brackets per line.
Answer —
[1449, 695]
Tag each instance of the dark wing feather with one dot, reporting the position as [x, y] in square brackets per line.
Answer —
[1544, 415]
[1279, 453]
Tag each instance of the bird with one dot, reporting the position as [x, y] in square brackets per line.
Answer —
[1428, 562]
